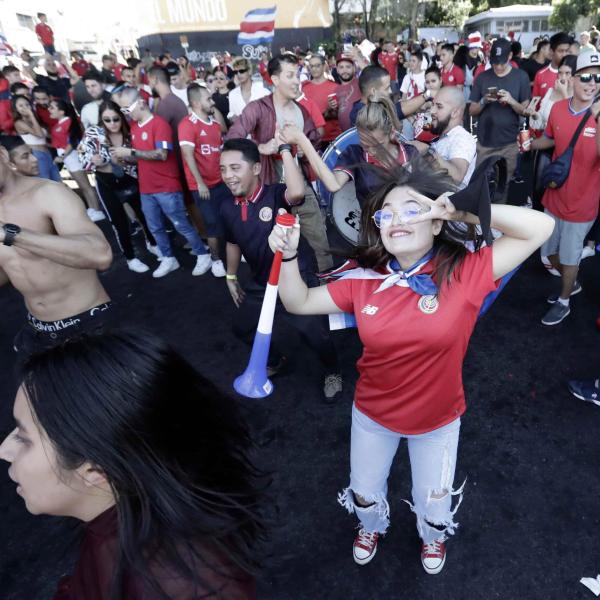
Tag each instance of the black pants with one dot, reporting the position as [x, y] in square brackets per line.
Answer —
[113, 192]
[313, 329]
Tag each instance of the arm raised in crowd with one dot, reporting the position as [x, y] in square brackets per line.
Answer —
[333, 181]
[78, 243]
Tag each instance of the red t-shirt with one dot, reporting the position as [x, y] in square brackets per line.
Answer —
[156, 176]
[319, 94]
[577, 199]
[389, 61]
[81, 67]
[347, 95]
[43, 115]
[206, 139]
[411, 367]
[59, 134]
[7, 125]
[313, 111]
[45, 33]
[453, 76]
[544, 80]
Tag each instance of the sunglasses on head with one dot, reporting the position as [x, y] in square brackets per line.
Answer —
[109, 120]
[127, 110]
[587, 77]
[238, 71]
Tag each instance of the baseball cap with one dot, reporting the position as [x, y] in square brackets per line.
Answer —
[172, 68]
[586, 60]
[500, 52]
[342, 57]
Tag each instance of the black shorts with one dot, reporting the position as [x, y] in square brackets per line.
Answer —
[37, 336]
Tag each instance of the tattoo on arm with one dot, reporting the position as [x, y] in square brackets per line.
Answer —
[157, 154]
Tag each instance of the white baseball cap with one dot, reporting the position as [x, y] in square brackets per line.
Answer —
[586, 60]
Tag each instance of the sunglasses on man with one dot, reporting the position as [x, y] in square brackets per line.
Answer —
[587, 77]
[239, 71]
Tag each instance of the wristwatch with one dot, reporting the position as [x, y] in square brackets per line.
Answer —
[133, 154]
[10, 233]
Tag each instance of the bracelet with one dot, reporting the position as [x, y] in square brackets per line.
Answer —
[231, 277]
[291, 258]
[284, 148]
[133, 154]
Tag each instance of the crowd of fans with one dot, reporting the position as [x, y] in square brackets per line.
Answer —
[214, 152]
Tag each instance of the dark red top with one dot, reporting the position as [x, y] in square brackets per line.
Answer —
[45, 33]
[94, 571]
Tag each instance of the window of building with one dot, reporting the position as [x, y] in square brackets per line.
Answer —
[544, 25]
[26, 21]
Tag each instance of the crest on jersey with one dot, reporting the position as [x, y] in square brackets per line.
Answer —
[428, 304]
[266, 214]
[144, 135]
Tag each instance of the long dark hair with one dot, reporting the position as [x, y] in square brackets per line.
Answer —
[431, 181]
[13, 107]
[112, 105]
[171, 445]
[75, 129]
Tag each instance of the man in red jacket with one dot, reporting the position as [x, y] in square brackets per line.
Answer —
[260, 119]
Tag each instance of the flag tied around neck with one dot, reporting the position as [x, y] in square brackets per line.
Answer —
[420, 283]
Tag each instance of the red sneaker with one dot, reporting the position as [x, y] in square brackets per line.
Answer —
[433, 557]
[364, 547]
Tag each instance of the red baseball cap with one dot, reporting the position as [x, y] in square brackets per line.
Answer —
[342, 57]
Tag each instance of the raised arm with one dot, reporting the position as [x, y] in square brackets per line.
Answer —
[78, 243]
[333, 180]
[297, 298]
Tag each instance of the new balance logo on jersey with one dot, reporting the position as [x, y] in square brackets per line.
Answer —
[369, 309]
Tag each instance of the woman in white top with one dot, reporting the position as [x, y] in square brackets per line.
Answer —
[34, 135]
[246, 89]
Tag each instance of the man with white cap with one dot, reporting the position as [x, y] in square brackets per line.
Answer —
[573, 205]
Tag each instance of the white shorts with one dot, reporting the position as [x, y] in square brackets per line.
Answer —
[72, 162]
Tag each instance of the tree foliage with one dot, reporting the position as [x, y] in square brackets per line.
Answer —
[443, 12]
[565, 13]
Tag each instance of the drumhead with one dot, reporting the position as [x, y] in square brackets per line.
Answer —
[345, 213]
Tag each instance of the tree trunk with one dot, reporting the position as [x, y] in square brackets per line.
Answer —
[414, 12]
[372, 17]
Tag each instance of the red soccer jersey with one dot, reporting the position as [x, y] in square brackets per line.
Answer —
[577, 199]
[206, 139]
[544, 80]
[313, 111]
[319, 93]
[81, 67]
[43, 114]
[389, 61]
[453, 76]
[45, 33]
[155, 176]
[59, 134]
[7, 125]
[411, 367]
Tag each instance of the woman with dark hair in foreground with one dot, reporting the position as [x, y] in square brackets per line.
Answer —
[119, 431]
[415, 299]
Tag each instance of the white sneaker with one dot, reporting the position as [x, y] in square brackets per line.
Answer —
[203, 264]
[95, 215]
[168, 264]
[549, 267]
[587, 252]
[135, 264]
[243, 258]
[218, 268]
[154, 250]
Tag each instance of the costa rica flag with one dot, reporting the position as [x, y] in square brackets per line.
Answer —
[258, 27]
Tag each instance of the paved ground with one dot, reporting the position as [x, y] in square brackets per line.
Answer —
[529, 520]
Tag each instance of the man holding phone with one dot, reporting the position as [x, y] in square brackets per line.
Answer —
[498, 98]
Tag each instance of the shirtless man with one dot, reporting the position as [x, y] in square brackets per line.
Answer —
[49, 251]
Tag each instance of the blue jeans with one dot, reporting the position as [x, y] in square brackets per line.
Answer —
[170, 204]
[210, 209]
[48, 170]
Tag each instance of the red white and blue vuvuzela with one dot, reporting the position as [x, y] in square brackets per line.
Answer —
[253, 382]
[258, 27]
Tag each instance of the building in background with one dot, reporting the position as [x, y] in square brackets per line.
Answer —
[212, 26]
[526, 22]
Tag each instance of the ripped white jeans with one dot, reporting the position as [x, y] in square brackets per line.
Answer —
[432, 463]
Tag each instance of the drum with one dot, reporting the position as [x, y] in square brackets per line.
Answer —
[343, 209]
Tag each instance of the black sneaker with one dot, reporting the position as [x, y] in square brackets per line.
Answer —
[588, 390]
[554, 298]
[556, 314]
